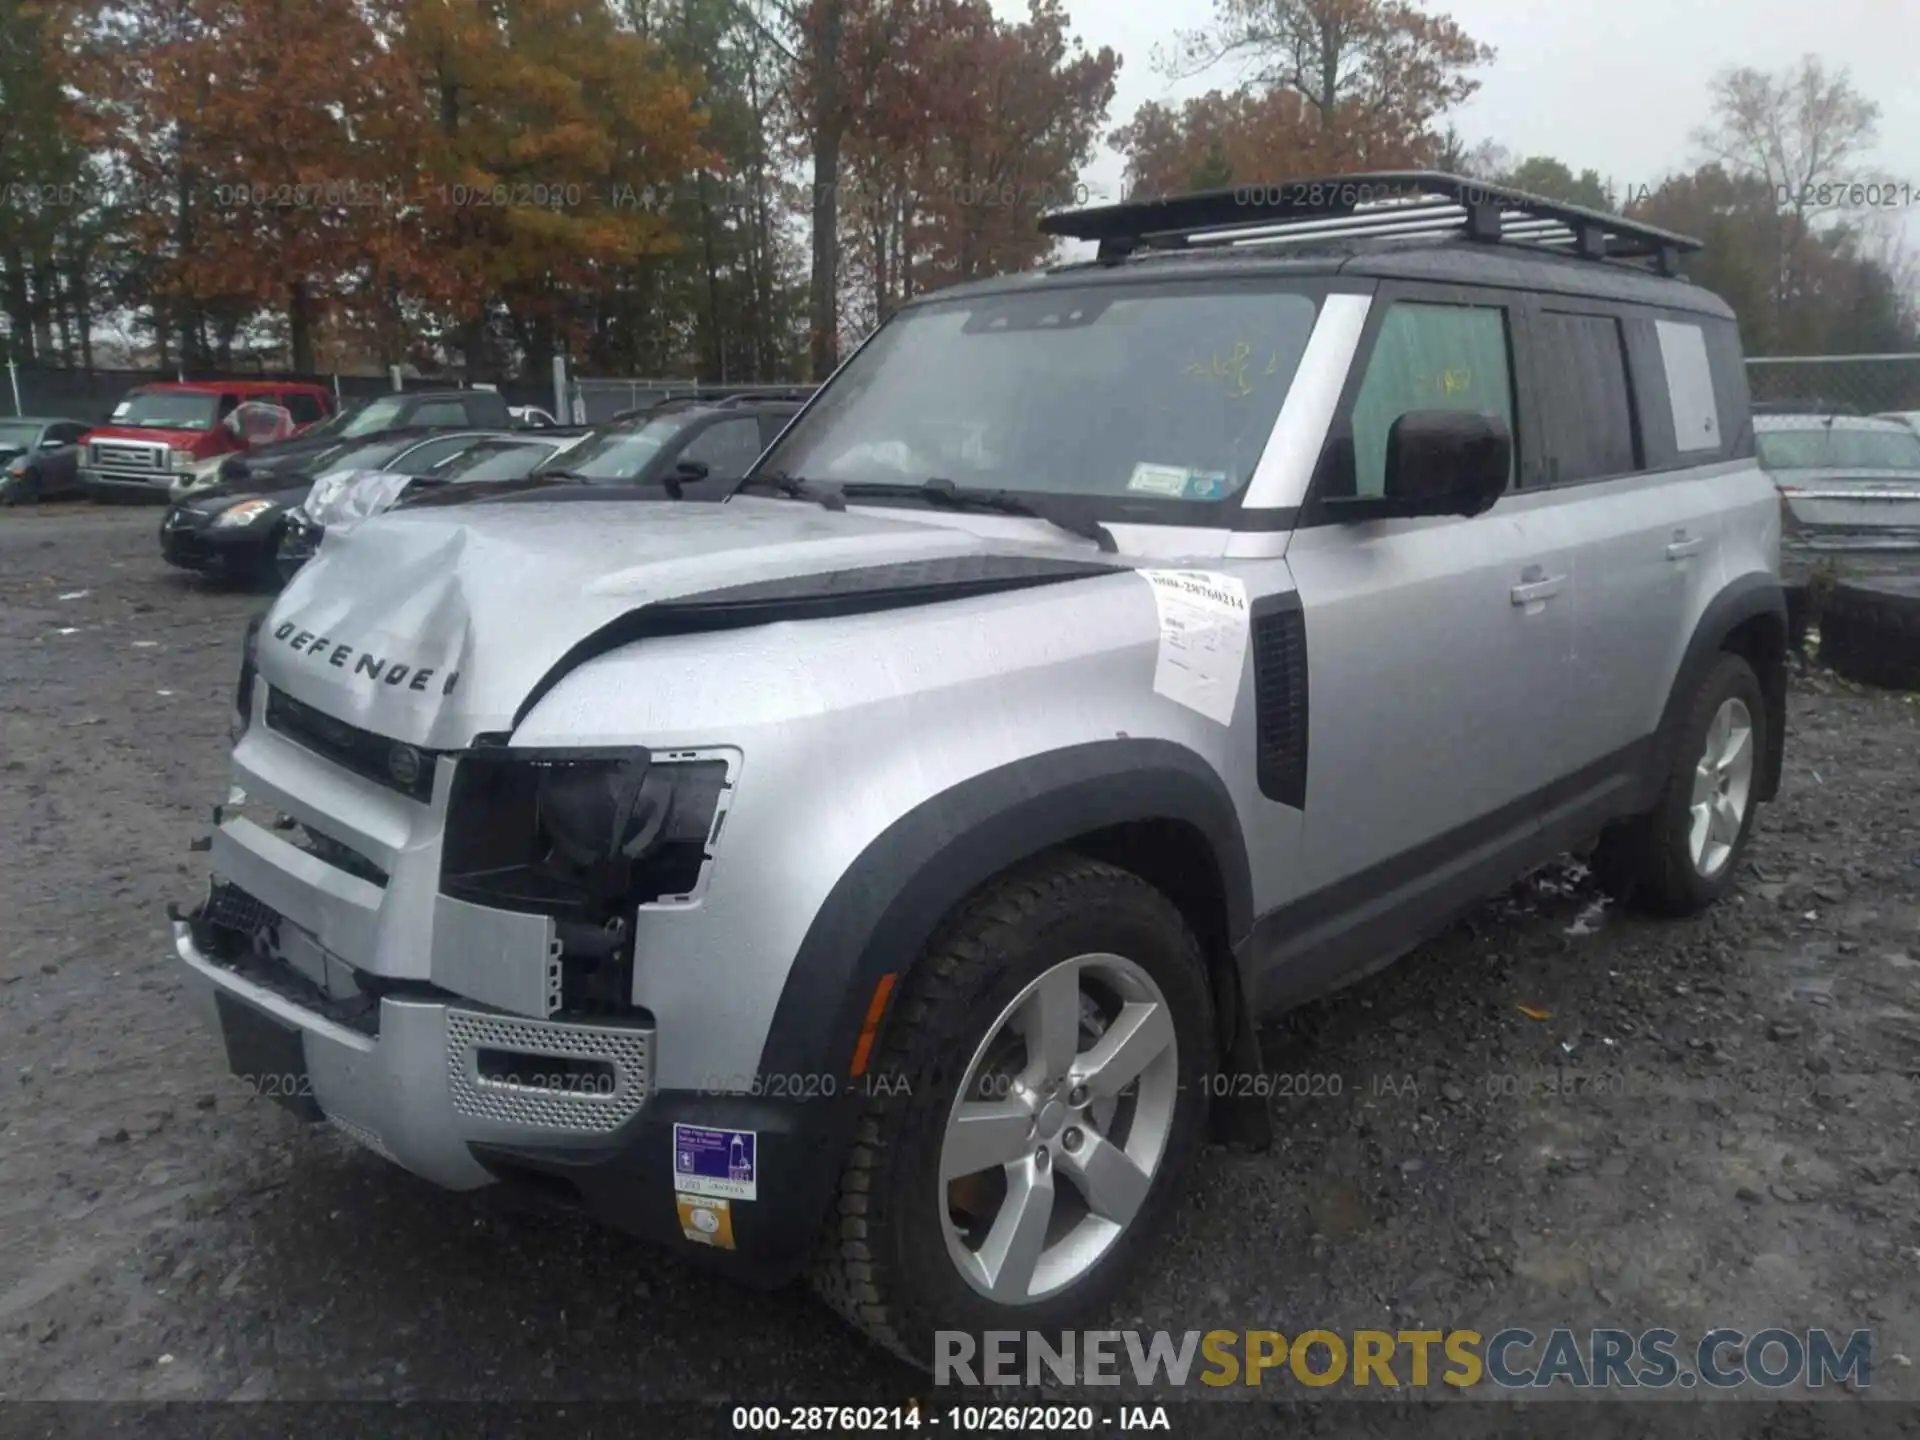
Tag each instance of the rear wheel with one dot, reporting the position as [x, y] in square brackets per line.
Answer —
[1679, 857]
[1054, 1043]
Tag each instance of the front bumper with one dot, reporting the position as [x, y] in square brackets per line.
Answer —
[409, 1087]
[150, 486]
[210, 548]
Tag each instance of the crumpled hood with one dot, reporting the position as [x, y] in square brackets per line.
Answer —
[434, 626]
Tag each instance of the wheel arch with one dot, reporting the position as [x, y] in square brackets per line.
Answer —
[1747, 618]
[1150, 806]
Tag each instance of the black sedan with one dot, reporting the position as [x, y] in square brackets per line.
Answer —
[234, 529]
[39, 458]
[484, 464]
[690, 449]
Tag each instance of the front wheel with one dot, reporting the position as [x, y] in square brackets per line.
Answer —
[1038, 1104]
[1680, 857]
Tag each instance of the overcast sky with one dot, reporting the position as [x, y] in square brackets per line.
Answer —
[1616, 87]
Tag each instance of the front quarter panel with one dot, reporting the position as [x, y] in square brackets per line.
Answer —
[1001, 718]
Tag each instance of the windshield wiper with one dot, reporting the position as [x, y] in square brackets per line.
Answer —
[793, 487]
[943, 492]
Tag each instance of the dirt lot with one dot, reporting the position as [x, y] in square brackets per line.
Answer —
[1551, 1116]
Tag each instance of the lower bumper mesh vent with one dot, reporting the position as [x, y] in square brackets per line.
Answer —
[598, 1082]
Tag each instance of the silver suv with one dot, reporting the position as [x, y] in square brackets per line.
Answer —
[882, 874]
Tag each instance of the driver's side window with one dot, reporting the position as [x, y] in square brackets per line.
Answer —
[726, 449]
[1428, 357]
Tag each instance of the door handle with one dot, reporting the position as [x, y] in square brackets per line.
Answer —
[1683, 545]
[1536, 585]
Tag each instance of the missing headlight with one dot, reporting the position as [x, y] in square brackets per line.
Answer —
[243, 691]
[582, 836]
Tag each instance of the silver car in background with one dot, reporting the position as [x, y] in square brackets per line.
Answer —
[1846, 482]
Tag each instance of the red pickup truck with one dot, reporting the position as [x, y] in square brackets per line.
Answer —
[162, 430]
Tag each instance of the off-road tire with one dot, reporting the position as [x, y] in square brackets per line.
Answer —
[883, 1262]
[1870, 631]
[1645, 862]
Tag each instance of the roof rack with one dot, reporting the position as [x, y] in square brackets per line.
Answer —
[1383, 204]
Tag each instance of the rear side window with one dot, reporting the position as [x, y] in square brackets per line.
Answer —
[1591, 431]
[304, 408]
[1428, 357]
[1690, 389]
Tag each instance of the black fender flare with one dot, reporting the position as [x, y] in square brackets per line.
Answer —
[889, 902]
[1749, 597]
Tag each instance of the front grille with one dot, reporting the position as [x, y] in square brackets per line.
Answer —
[366, 754]
[253, 926]
[231, 908]
[626, 1052]
[130, 457]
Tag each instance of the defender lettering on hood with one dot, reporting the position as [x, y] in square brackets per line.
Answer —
[434, 626]
[376, 669]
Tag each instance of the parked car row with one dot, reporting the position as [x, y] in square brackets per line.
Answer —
[171, 438]
[260, 516]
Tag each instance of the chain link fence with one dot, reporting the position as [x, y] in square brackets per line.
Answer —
[56, 393]
[1835, 384]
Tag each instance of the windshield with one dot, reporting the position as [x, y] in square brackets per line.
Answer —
[17, 437]
[489, 460]
[374, 416]
[1838, 448]
[1162, 394]
[168, 410]
[623, 452]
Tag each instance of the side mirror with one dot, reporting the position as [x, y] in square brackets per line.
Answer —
[691, 470]
[1439, 462]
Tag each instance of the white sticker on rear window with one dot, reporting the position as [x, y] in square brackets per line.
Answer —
[1203, 639]
[1696, 415]
[122, 408]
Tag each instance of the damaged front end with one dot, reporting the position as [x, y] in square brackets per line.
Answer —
[434, 949]
[582, 839]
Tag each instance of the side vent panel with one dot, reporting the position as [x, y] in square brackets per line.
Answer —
[1280, 698]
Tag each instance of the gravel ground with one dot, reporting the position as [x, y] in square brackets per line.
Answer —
[1552, 1115]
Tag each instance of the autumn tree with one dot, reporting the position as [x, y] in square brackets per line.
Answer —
[47, 198]
[1545, 176]
[1850, 299]
[836, 51]
[978, 127]
[535, 128]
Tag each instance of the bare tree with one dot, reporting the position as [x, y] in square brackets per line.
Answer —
[1364, 65]
[1804, 131]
